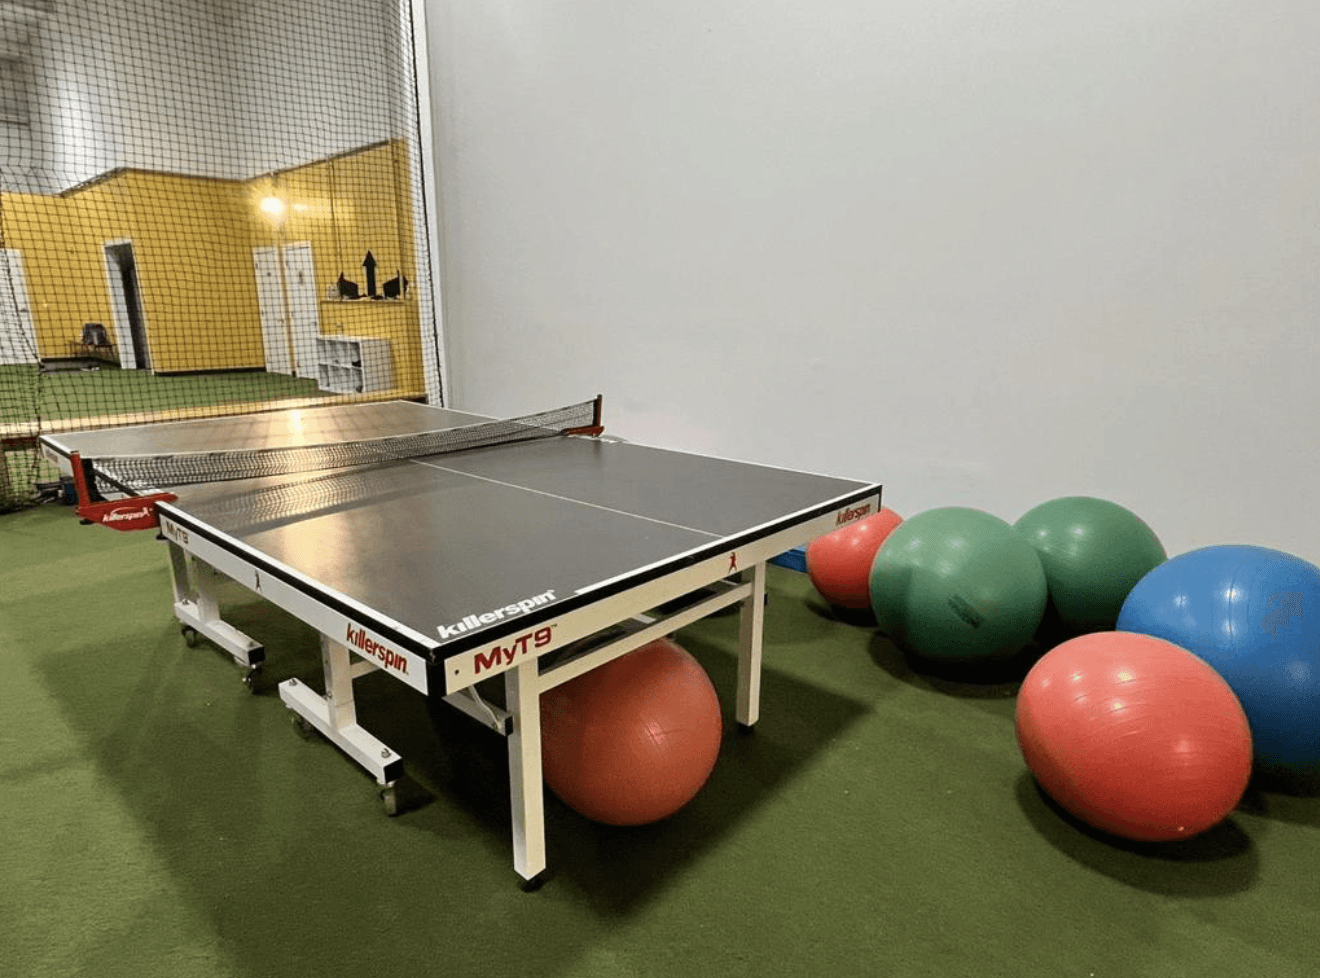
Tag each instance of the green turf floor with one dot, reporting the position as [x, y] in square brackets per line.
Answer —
[157, 819]
[109, 390]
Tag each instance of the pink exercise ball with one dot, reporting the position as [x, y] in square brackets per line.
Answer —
[633, 741]
[839, 563]
[1134, 736]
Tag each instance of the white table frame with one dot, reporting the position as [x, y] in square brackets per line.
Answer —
[583, 639]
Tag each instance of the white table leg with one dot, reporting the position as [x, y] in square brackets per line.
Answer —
[750, 629]
[523, 699]
[337, 666]
[198, 609]
[335, 716]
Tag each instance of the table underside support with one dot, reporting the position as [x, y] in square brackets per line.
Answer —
[334, 714]
[197, 607]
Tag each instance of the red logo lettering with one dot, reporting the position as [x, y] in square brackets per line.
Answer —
[503, 656]
[848, 515]
[390, 659]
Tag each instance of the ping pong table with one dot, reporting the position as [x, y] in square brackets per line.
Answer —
[534, 561]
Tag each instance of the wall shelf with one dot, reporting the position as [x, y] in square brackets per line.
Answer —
[353, 364]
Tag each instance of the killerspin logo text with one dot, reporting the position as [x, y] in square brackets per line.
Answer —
[470, 623]
[849, 515]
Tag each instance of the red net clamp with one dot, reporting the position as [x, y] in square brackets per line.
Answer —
[132, 513]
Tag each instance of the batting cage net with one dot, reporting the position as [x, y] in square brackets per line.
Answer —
[207, 207]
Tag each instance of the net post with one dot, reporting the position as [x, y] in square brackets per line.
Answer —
[84, 485]
[595, 428]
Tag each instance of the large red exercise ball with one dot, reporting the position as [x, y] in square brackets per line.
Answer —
[634, 740]
[1134, 736]
[839, 563]
[1254, 614]
[1093, 552]
[958, 584]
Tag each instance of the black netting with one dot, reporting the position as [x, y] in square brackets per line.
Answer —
[207, 207]
[147, 472]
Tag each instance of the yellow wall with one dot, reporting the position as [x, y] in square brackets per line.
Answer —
[194, 267]
[192, 242]
[60, 240]
[346, 207]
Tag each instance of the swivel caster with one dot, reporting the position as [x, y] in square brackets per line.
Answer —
[251, 676]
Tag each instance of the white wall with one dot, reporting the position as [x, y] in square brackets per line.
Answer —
[313, 77]
[135, 83]
[218, 88]
[986, 251]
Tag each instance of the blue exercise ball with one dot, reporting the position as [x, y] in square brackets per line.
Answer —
[1253, 614]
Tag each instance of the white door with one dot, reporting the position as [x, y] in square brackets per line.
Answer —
[18, 337]
[270, 299]
[299, 321]
[304, 308]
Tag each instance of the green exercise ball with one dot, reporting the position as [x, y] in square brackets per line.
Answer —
[1094, 552]
[958, 584]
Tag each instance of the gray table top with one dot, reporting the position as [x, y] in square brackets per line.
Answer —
[428, 543]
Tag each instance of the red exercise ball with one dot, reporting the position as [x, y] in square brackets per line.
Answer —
[634, 740]
[839, 563]
[1134, 735]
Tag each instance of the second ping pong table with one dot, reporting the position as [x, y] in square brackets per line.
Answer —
[533, 561]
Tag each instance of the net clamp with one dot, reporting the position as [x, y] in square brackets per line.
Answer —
[131, 513]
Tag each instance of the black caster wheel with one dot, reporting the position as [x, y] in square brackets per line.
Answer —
[390, 796]
[251, 677]
[190, 636]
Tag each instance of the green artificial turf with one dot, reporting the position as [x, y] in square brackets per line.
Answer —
[160, 820]
[107, 390]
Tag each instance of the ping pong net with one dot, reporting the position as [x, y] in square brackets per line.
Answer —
[145, 477]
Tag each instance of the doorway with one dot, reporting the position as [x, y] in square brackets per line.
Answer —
[126, 301]
[18, 338]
